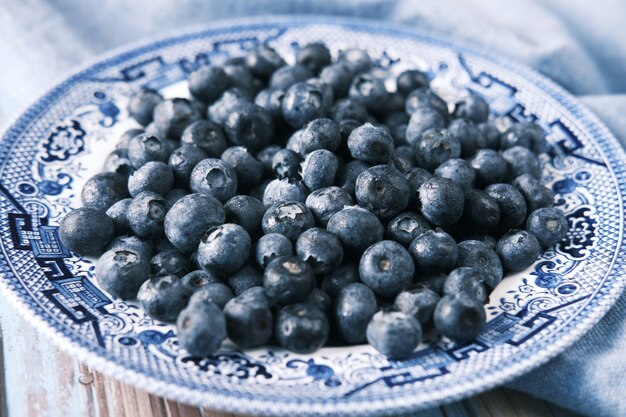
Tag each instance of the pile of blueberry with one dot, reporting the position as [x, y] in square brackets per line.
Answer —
[324, 202]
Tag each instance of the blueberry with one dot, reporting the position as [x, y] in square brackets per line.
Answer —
[207, 136]
[266, 156]
[459, 171]
[263, 60]
[221, 109]
[293, 142]
[356, 228]
[170, 262]
[549, 225]
[314, 56]
[271, 100]
[240, 77]
[208, 83]
[441, 200]
[103, 190]
[466, 279]
[132, 244]
[473, 108]
[284, 191]
[303, 102]
[287, 75]
[321, 249]
[425, 98]
[321, 300]
[175, 194]
[339, 278]
[338, 77]
[249, 170]
[432, 281]
[196, 280]
[301, 328]
[355, 59]
[156, 177]
[491, 134]
[201, 328]
[490, 166]
[249, 125]
[518, 250]
[383, 190]
[349, 108]
[249, 321]
[394, 334]
[120, 272]
[188, 219]
[245, 211]
[411, 80]
[142, 103]
[535, 193]
[118, 162]
[479, 255]
[421, 121]
[387, 268]
[144, 148]
[371, 144]
[405, 227]
[163, 297]
[117, 213]
[525, 134]
[258, 190]
[217, 293]
[522, 161]
[416, 177]
[126, 137]
[397, 122]
[244, 279]
[349, 173]
[171, 117]
[435, 148]
[481, 212]
[354, 307]
[182, 161]
[290, 219]
[319, 169]
[286, 164]
[214, 177]
[325, 202]
[419, 302]
[469, 136]
[403, 159]
[460, 317]
[486, 239]
[320, 133]
[86, 230]
[288, 280]
[512, 205]
[270, 246]
[434, 251]
[369, 90]
[224, 249]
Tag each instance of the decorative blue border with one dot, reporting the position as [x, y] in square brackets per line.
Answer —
[597, 304]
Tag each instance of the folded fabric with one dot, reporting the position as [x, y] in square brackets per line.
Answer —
[576, 43]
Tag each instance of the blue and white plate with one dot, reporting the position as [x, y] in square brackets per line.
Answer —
[62, 140]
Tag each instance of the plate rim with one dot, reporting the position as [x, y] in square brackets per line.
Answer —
[225, 402]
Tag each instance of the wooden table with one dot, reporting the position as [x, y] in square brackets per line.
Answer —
[39, 380]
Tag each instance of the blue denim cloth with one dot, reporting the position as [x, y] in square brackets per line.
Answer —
[578, 43]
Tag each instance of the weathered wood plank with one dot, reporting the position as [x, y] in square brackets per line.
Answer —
[39, 380]
[3, 387]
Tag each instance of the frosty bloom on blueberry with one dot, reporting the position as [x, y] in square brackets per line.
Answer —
[322, 200]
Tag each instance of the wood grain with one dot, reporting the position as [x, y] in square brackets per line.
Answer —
[39, 380]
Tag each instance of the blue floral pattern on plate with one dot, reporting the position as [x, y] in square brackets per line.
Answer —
[59, 142]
